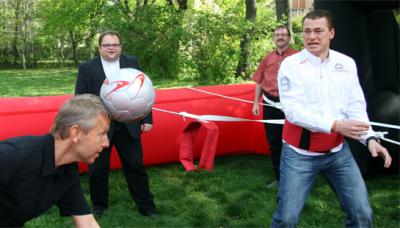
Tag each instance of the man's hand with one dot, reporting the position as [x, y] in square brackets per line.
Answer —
[353, 129]
[377, 149]
[256, 105]
[146, 127]
[85, 221]
[256, 109]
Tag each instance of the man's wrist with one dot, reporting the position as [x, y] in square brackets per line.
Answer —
[372, 138]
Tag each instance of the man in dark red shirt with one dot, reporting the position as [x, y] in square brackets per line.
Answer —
[267, 86]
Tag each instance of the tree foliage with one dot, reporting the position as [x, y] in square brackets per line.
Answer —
[68, 24]
[173, 39]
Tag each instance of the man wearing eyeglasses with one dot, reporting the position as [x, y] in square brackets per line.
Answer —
[125, 137]
[323, 102]
[267, 86]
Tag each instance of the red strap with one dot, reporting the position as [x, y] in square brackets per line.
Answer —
[187, 140]
[314, 141]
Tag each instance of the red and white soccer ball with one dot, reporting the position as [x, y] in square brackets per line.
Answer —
[128, 94]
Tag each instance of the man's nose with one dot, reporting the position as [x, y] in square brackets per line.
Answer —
[313, 35]
[106, 142]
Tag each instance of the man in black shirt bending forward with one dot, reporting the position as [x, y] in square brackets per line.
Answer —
[37, 172]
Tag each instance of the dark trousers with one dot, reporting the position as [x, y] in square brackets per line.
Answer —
[131, 156]
[274, 136]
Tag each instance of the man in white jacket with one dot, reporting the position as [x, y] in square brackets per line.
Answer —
[323, 103]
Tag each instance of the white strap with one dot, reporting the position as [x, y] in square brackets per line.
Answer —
[227, 97]
[272, 103]
[220, 118]
[372, 123]
[385, 125]
[381, 135]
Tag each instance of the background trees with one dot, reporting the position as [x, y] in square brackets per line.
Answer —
[222, 41]
[17, 32]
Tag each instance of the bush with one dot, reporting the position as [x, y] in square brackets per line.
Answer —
[201, 45]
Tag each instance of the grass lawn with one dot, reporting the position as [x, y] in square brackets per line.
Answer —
[48, 82]
[20, 83]
[234, 194]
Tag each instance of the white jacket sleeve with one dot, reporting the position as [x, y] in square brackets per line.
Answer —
[357, 108]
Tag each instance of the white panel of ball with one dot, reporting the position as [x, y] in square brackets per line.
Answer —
[120, 100]
[128, 94]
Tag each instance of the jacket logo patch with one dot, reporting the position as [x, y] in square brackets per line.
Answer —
[285, 84]
[339, 68]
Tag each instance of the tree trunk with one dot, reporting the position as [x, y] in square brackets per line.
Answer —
[16, 5]
[31, 34]
[123, 5]
[182, 4]
[283, 12]
[62, 58]
[15, 49]
[23, 60]
[24, 43]
[94, 25]
[245, 42]
[137, 8]
[74, 47]
[32, 49]
[282, 9]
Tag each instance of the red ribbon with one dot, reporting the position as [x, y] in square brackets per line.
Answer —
[187, 140]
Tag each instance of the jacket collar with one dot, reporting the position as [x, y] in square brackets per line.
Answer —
[308, 56]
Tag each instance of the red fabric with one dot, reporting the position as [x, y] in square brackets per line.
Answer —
[267, 71]
[28, 115]
[318, 141]
[34, 116]
[187, 141]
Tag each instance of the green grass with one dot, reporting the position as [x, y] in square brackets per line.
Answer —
[49, 82]
[234, 194]
[43, 82]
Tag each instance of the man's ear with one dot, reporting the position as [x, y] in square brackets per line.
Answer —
[332, 33]
[74, 133]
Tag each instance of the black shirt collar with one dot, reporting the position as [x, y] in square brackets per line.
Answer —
[49, 166]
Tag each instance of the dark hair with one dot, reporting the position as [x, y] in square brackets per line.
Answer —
[318, 13]
[283, 27]
[102, 35]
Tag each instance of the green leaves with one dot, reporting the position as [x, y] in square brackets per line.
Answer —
[200, 43]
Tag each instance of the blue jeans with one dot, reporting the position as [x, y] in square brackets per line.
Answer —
[298, 173]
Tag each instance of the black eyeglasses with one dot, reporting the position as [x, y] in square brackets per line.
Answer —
[281, 34]
[111, 45]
